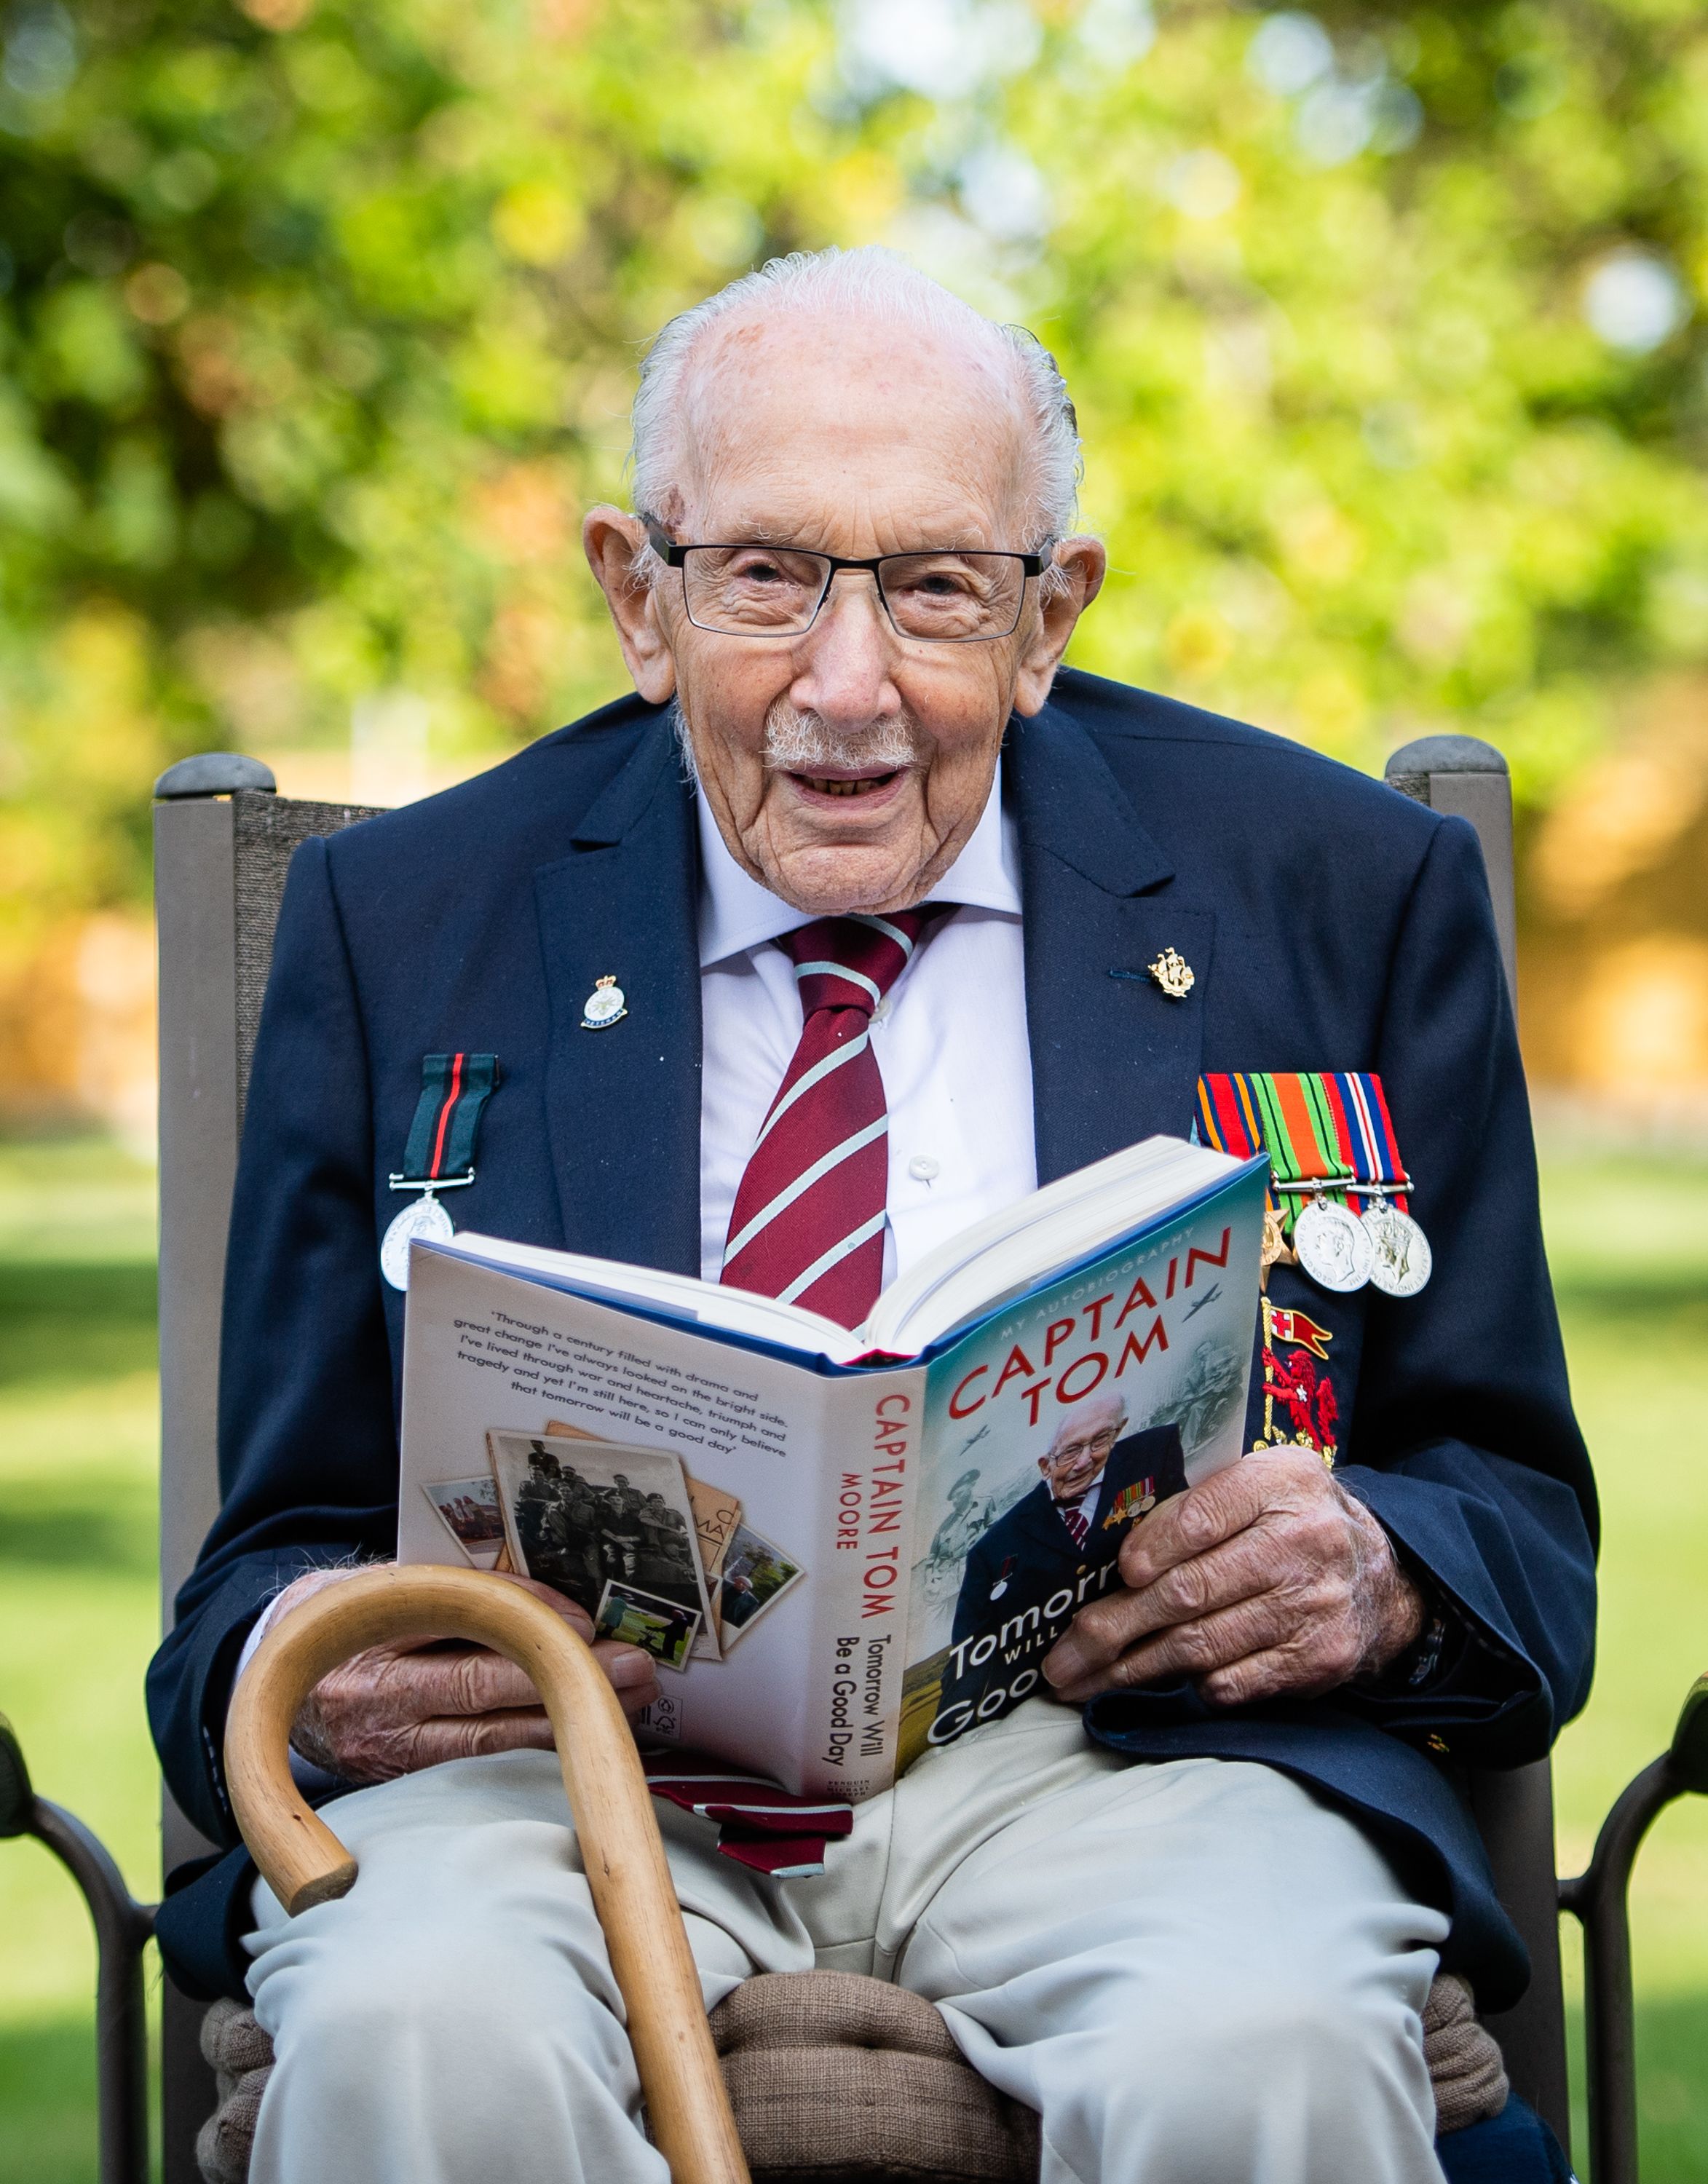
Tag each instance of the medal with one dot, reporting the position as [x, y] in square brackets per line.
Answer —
[454, 1089]
[1276, 1250]
[428, 1219]
[1402, 1260]
[606, 1004]
[1330, 1138]
[1333, 1245]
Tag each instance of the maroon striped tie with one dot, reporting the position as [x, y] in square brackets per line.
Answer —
[808, 1220]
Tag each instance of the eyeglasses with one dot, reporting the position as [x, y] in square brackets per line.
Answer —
[941, 598]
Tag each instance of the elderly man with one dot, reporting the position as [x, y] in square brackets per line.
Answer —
[1189, 1908]
[1093, 1487]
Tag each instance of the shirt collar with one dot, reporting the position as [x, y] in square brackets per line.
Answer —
[736, 913]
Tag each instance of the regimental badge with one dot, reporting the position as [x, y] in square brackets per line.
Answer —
[1174, 974]
[1301, 1409]
[1135, 1501]
[606, 1004]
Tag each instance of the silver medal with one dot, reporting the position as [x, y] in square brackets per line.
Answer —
[1333, 1245]
[1403, 1260]
[426, 1218]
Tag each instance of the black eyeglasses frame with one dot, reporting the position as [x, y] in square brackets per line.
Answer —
[675, 556]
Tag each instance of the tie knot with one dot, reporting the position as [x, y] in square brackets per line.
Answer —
[852, 962]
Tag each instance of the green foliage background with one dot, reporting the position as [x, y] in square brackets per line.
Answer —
[320, 321]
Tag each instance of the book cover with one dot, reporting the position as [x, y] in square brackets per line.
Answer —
[1053, 1429]
[836, 1565]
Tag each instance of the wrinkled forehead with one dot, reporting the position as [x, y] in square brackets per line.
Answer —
[854, 436]
[1104, 1415]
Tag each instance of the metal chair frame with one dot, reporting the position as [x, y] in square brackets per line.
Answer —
[222, 838]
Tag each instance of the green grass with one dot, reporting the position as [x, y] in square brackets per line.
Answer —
[78, 1614]
[1629, 1238]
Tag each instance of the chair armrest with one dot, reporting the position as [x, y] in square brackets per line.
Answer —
[1597, 1898]
[122, 1929]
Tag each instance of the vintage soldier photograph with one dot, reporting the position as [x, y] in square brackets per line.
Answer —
[581, 1515]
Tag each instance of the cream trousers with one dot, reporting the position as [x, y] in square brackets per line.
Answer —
[1195, 1972]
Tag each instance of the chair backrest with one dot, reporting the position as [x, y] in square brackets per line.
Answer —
[222, 841]
[1515, 1810]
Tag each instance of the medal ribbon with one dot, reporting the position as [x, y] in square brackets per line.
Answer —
[1329, 1128]
[455, 1088]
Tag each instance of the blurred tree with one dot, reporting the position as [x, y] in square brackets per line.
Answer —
[319, 324]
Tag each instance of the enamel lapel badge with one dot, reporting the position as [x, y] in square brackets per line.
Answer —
[606, 1004]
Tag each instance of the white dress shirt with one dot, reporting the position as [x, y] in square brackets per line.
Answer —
[950, 1038]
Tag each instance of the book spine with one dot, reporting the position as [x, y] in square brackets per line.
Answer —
[871, 1447]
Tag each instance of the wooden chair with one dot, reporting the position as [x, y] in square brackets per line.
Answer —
[223, 840]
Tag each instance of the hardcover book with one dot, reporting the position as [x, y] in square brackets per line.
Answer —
[842, 1547]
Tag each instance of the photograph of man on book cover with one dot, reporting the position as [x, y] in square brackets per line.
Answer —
[1095, 1481]
[583, 1515]
[755, 1576]
[1041, 1555]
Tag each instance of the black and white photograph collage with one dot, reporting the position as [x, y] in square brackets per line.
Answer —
[658, 1558]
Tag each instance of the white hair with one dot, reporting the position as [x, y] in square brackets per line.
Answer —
[873, 283]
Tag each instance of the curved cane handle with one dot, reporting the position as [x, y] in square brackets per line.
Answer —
[303, 1862]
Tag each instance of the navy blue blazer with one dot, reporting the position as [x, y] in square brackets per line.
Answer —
[1331, 923]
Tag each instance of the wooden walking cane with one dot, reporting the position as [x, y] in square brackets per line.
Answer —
[303, 1862]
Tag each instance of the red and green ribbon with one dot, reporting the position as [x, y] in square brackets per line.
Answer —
[455, 1088]
[1329, 1128]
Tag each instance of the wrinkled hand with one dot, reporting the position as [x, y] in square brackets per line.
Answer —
[1267, 1578]
[393, 1709]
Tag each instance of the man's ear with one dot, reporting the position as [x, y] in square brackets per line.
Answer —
[613, 544]
[1080, 564]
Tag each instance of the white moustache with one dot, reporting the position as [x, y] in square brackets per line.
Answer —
[802, 742]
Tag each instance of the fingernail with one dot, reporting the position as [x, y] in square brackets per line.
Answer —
[1064, 1663]
[628, 1661]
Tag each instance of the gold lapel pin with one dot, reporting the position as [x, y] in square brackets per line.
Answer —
[1174, 974]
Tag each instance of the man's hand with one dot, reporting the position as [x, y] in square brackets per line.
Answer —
[395, 1708]
[1268, 1578]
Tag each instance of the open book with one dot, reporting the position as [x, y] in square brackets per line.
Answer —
[842, 1547]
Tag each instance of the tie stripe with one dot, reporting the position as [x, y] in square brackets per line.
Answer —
[826, 1260]
[869, 986]
[815, 1075]
[808, 1224]
[790, 1191]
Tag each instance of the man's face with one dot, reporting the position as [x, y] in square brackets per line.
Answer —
[1077, 1456]
[847, 765]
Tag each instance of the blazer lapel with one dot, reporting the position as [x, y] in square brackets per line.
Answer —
[1114, 1058]
[623, 1102]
